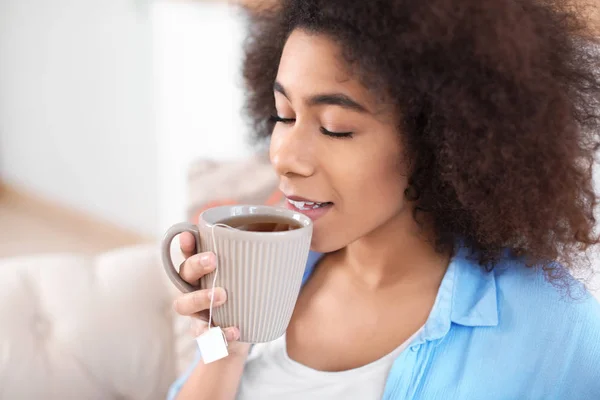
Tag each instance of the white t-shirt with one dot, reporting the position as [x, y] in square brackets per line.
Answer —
[271, 375]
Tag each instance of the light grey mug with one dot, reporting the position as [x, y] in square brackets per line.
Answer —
[261, 258]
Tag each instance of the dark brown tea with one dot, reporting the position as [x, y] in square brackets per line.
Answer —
[262, 223]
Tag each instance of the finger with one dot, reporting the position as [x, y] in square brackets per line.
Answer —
[232, 334]
[187, 243]
[199, 326]
[197, 266]
[189, 304]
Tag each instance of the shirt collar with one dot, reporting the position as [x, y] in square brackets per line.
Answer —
[474, 298]
[467, 296]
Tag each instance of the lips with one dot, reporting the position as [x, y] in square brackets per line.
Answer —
[311, 208]
[304, 205]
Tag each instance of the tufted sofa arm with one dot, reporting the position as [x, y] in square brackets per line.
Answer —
[79, 327]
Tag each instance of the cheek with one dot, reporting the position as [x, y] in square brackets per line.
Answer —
[380, 187]
[369, 194]
[376, 183]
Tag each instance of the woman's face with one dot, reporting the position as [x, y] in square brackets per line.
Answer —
[337, 152]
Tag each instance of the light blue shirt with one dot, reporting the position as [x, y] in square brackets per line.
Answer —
[507, 334]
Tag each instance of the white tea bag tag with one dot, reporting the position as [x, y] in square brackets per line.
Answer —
[213, 345]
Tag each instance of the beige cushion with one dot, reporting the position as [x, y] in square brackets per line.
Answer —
[77, 327]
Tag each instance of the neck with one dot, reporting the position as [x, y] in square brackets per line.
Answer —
[397, 252]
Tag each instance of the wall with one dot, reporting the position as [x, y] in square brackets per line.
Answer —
[104, 104]
[197, 55]
[76, 116]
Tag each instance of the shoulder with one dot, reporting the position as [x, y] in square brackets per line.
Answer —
[528, 292]
[550, 327]
[561, 317]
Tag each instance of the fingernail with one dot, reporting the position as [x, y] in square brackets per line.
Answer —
[231, 334]
[205, 261]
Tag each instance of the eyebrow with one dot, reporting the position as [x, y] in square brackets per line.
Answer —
[331, 99]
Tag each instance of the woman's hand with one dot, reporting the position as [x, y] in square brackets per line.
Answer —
[196, 304]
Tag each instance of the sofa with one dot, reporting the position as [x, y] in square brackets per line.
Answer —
[99, 327]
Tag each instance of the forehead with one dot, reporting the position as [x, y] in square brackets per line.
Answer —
[313, 63]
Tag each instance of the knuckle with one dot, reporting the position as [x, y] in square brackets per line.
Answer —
[189, 303]
[198, 327]
[186, 271]
[178, 306]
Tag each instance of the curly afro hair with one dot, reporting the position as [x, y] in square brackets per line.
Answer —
[500, 107]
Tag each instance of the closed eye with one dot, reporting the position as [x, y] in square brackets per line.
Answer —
[336, 134]
[276, 118]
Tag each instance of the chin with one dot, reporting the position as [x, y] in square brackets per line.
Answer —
[327, 242]
[318, 248]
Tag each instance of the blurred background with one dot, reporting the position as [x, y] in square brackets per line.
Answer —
[104, 106]
[118, 118]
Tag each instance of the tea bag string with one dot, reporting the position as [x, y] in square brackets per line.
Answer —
[214, 282]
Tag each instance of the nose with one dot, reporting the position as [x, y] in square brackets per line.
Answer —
[292, 153]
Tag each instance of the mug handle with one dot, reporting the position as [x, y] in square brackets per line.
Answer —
[167, 261]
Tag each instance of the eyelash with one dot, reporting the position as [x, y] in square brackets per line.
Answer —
[276, 118]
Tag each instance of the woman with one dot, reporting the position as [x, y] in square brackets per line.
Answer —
[448, 147]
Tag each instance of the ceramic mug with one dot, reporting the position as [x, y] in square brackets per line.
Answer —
[261, 258]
